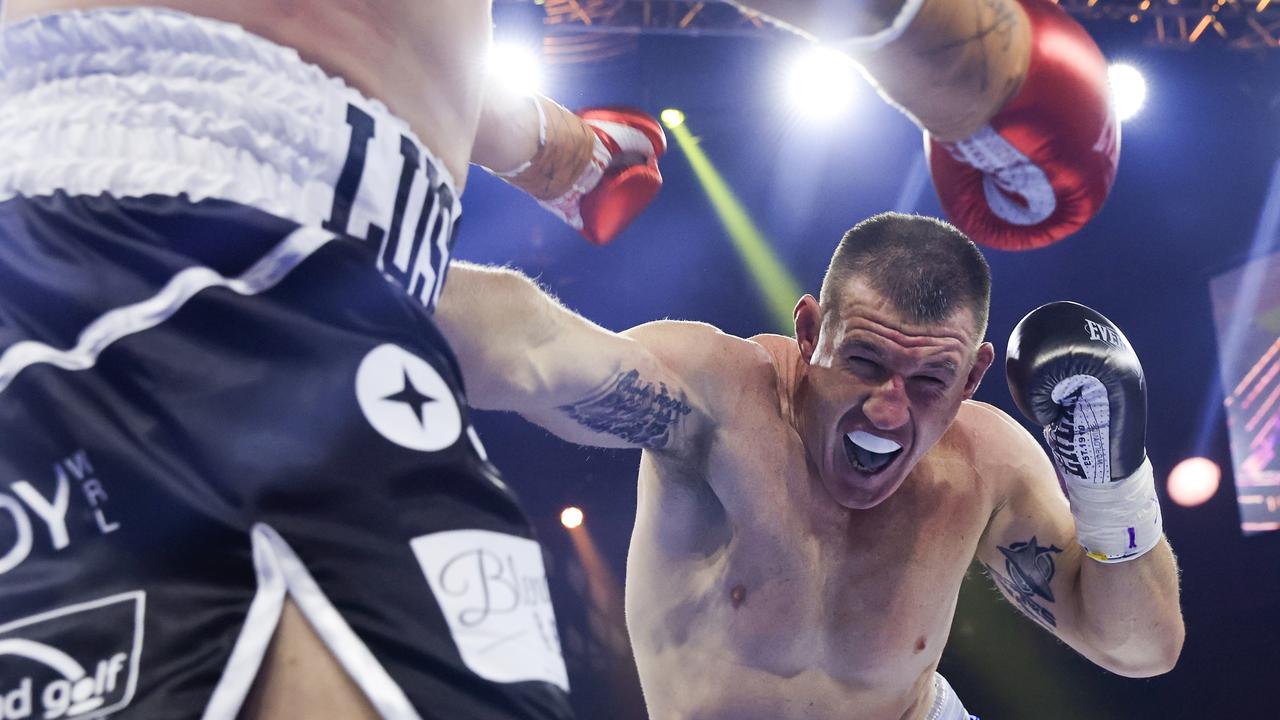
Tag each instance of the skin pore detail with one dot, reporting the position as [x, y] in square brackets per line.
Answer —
[627, 407]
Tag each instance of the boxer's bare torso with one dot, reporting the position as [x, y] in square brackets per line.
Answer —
[751, 593]
[423, 58]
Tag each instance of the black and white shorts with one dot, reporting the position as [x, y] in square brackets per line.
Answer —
[220, 386]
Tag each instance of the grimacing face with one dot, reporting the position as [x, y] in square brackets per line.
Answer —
[879, 391]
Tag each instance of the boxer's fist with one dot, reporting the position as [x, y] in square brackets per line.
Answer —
[1045, 163]
[622, 177]
[1073, 372]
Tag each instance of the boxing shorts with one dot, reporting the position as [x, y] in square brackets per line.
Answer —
[221, 387]
[946, 704]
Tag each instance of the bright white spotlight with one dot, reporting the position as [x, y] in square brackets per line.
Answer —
[571, 517]
[823, 82]
[1128, 89]
[516, 67]
[1193, 481]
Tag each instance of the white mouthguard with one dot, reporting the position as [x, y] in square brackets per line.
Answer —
[872, 443]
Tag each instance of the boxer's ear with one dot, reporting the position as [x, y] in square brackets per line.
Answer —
[981, 363]
[808, 316]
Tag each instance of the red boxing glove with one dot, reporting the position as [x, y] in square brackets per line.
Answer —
[622, 177]
[1044, 165]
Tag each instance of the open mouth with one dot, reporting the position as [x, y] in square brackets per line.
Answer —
[869, 453]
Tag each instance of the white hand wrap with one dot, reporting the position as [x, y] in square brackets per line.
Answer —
[569, 162]
[1117, 521]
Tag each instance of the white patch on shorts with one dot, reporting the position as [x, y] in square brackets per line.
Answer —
[406, 400]
[492, 589]
[76, 661]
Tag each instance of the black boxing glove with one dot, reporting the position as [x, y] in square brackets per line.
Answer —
[1072, 371]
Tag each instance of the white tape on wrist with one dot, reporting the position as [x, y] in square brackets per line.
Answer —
[877, 40]
[542, 142]
[568, 207]
[1117, 521]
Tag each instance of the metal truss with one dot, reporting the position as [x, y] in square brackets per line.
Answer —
[1251, 25]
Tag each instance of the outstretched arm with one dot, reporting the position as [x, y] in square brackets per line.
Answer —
[1124, 617]
[523, 351]
[1023, 143]
[953, 67]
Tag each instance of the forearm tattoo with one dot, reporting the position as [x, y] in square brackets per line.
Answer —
[626, 407]
[1028, 569]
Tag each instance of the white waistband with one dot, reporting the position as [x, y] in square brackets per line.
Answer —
[946, 705]
[135, 102]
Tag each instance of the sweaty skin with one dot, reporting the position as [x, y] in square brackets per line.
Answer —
[768, 577]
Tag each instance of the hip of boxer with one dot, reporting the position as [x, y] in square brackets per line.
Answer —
[138, 102]
[946, 704]
[221, 388]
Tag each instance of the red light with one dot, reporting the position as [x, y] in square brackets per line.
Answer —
[1193, 481]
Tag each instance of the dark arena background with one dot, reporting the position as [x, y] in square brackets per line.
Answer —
[761, 183]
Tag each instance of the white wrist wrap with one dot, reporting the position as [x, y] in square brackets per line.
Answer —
[877, 40]
[542, 142]
[1115, 520]
[568, 207]
[1120, 520]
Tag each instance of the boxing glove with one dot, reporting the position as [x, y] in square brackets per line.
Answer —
[1044, 164]
[596, 170]
[1073, 372]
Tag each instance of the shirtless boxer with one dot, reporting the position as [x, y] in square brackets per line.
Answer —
[146, 156]
[223, 404]
[808, 506]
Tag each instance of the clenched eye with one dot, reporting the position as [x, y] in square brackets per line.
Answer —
[863, 365]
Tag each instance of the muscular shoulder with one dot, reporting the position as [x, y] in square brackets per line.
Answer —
[723, 369]
[1000, 450]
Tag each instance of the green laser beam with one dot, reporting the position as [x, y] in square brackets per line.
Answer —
[778, 287]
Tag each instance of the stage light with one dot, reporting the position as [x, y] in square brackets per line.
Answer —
[823, 82]
[571, 517]
[1128, 90]
[1193, 481]
[778, 288]
[516, 67]
[672, 118]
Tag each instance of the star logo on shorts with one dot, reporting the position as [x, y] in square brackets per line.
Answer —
[406, 400]
[409, 395]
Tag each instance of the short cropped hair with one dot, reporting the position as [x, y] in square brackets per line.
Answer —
[926, 268]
